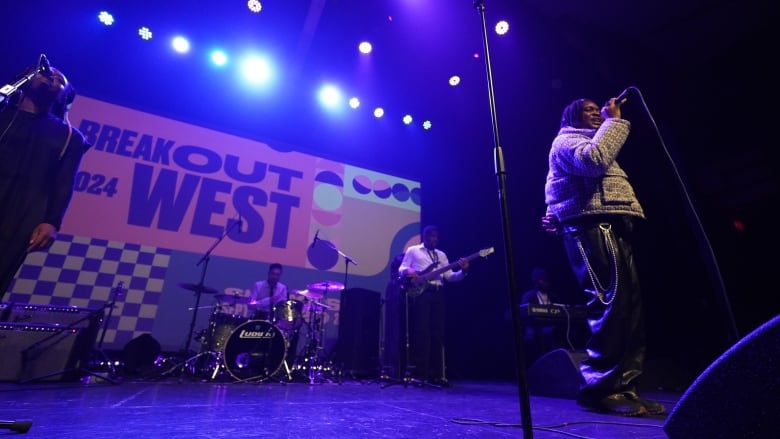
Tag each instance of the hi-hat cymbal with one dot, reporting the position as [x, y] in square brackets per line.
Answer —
[198, 288]
[231, 298]
[325, 286]
[309, 294]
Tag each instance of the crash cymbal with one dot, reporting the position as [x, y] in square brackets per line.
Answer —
[198, 288]
[325, 286]
[231, 298]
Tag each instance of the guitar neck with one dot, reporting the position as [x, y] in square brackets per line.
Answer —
[441, 270]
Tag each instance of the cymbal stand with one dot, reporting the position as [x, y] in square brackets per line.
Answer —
[189, 364]
[198, 292]
[313, 351]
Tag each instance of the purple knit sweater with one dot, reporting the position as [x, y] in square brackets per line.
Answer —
[584, 177]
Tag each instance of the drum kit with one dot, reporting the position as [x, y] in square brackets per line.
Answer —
[255, 347]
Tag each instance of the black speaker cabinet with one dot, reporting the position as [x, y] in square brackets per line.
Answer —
[61, 315]
[43, 352]
[556, 374]
[737, 396]
[357, 350]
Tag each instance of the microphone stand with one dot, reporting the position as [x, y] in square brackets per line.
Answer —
[347, 259]
[110, 305]
[9, 89]
[498, 158]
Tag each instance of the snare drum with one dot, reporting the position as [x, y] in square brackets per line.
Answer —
[288, 315]
[255, 350]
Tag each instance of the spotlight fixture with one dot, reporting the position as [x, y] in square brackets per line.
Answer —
[254, 6]
[106, 18]
[454, 80]
[365, 47]
[181, 44]
[354, 103]
[145, 33]
[502, 27]
[427, 124]
[219, 58]
[407, 119]
[379, 112]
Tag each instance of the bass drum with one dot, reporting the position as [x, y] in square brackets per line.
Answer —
[255, 351]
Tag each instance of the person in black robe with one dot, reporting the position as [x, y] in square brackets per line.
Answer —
[40, 153]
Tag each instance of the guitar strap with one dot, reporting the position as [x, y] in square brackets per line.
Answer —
[433, 254]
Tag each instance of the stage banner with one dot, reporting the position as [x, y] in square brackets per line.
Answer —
[161, 205]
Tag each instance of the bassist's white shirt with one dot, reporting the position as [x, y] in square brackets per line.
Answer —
[419, 258]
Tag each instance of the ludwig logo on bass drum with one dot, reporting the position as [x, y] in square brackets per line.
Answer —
[256, 334]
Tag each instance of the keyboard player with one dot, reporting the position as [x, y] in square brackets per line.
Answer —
[540, 335]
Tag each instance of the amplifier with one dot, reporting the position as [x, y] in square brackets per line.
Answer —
[61, 315]
[41, 351]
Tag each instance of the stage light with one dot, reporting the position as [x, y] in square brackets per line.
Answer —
[407, 119]
[257, 70]
[365, 47]
[106, 18]
[379, 112]
[354, 103]
[427, 125]
[180, 44]
[254, 6]
[454, 80]
[219, 57]
[502, 27]
[330, 96]
[145, 33]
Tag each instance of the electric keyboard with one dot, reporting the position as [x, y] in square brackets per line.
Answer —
[554, 311]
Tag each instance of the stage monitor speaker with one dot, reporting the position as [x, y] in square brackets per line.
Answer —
[737, 396]
[45, 352]
[62, 315]
[556, 374]
[139, 355]
[357, 349]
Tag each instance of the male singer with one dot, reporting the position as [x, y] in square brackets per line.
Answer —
[592, 205]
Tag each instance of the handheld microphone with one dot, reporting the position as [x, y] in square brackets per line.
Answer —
[43, 65]
[621, 96]
[316, 238]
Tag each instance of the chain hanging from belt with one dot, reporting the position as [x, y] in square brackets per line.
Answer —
[605, 295]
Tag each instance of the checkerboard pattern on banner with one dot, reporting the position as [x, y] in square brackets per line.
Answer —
[84, 272]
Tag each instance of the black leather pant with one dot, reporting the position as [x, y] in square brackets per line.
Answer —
[616, 348]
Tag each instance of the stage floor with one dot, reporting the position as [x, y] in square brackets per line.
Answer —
[186, 406]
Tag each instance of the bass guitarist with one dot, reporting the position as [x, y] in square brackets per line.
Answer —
[425, 299]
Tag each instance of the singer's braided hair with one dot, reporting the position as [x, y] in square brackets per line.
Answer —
[572, 114]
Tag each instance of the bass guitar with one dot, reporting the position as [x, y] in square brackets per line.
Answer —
[415, 287]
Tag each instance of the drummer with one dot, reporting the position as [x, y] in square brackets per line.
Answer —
[268, 292]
